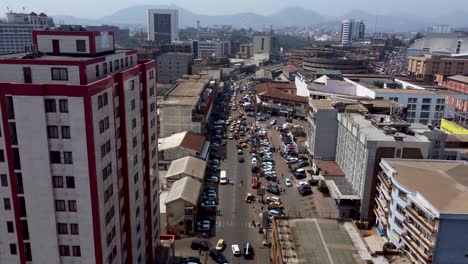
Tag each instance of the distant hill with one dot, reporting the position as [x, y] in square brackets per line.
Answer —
[290, 16]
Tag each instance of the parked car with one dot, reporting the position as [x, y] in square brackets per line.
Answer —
[274, 189]
[304, 190]
[200, 244]
[273, 199]
[274, 213]
[248, 251]
[217, 256]
[287, 182]
[255, 183]
[240, 159]
[273, 122]
[212, 179]
[190, 260]
[236, 250]
[220, 245]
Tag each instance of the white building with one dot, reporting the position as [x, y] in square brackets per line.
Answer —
[352, 30]
[422, 208]
[362, 141]
[163, 25]
[211, 48]
[16, 30]
[78, 147]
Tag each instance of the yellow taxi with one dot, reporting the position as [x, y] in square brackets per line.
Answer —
[249, 197]
[244, 145]
[240, 152]
[277, 204]
[231, 136]
[220, 245]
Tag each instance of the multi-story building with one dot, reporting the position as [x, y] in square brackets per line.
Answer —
[187, 105]
[426, 67]
[246, 50]
[266, 44]
[78, 147]
[322, 129]
[281, 99]
[362, 141]
[172, 65]
[163, 25]
[352, 30]
[335, 61]
[421, 208]
[16, 30]
[211, 49]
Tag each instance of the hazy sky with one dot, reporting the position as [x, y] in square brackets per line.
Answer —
[98, 8]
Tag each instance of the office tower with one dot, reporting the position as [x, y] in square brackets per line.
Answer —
[163, 25]
[16, 30]
[352, 30]
[78, 152]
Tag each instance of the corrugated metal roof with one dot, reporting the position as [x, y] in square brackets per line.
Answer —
[186, 189]
[194, 167]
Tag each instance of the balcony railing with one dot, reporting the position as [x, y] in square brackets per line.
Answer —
[421, 220]
[381, 216]
[415, 248]
[413, 230]
[384, 180]
[382, 204]
[384, 191]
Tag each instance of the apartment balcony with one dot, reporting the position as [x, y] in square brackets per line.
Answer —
[382, 205]
[417, 233]
[384, 180]
[416, 249]
[381, 216]
[382, 189]
[421, 219]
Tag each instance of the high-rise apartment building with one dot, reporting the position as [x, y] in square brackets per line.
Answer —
[352, 30]
[163, 25]
[16, 30]
[78, 152]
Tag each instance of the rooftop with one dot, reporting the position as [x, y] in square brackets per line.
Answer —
[262, 87]
[321, 104]
[186, 139]
[186, 189]
[284, 96]
[459, 78]
[315, 241]
[192, 166]
[329, 168]
[186, 91]
[22, 56]
[457, 138]
[444, 184]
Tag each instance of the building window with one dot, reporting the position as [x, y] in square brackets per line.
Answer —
[70, 180]
[64, 251]
[134, 142]
[57, 181]
[10, 227]
[105, 148]
[60, 206]
[52, 132]
[152, 107]
[132, 104]
[59, 74]
[104, 68]
[55, 157]
[63, 105]
[151, 91]
[72, 205]
[103, 125]
[134, 123]
[131, 60]
[76, 251]
[151, 75]
[110, 66]
[74, 230]
[80, 45]
[107, 171]
[50, 106]
[426, 100]
[13, 249]
[62, 228]
[66, 132]
[121, 63]
[116, 62]
[7, 203]
[103, 100]
[132, 85]
[4, 180]
[135, 177]
[27, 75]
[97, 70]
[67, 157]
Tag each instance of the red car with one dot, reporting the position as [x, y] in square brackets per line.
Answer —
[253, 150]
[255, 182]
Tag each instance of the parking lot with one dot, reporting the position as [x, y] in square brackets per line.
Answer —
[235, 220]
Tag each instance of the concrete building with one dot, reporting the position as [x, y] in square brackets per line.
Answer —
[266, 44]
[335, 61]
[425, 102]
[187, 105]
[16, 30]
[181, 206]
[79, 152]
[246, 51]
[211, 49]
[281, 99]
[426, 67]
[352, 30]
[191, 167]
[363, 140]
[421, 208]
[456, 147]
[182, 144]
[163, 25]
[322, 129]
[446, 44]
[172, 66]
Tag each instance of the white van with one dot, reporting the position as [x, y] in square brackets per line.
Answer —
[223, 177]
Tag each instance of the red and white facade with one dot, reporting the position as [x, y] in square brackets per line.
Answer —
[78, 153]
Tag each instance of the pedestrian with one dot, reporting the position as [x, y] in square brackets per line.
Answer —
[262, 208]
[282, 175]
